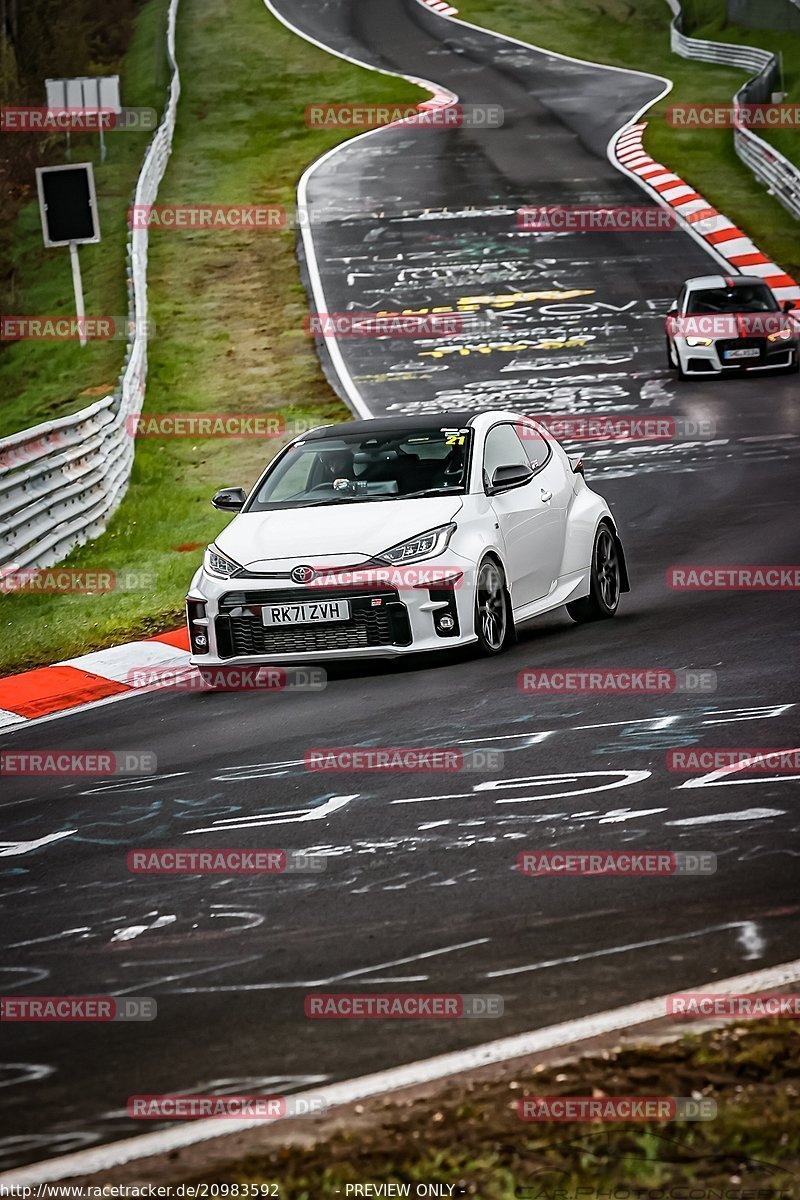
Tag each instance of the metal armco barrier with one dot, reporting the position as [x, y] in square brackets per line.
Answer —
[61, 481]
[781, 177]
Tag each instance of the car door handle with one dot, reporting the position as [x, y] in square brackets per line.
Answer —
[546, 496]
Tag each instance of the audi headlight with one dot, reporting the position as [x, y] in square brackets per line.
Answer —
[780, 335]
[218, 565]
[696, 341]
[425, 545]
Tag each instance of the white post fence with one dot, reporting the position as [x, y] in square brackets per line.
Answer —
[781, 177]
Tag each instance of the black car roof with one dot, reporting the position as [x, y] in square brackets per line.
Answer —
[452, 419]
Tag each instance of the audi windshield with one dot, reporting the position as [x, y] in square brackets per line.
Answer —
[742, 299]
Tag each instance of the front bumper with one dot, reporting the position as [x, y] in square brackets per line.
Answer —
[226, 628]
[711, 360]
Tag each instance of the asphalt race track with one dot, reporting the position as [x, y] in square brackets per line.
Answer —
[420, 891]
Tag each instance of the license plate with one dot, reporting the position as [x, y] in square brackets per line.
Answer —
[741, 354]
[306, 614]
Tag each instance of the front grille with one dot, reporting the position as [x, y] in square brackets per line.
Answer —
[750, 343]
[240, 630]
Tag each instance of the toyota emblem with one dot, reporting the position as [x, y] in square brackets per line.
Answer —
[303, 574]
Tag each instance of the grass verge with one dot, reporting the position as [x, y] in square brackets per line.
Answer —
[627, 35]
[43, 380]
[468, 1135]
[228, 309]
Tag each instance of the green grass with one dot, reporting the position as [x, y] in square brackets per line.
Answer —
[42, 380]
[228, 310]
[637, 35]
[467, 1133]
[706, 19]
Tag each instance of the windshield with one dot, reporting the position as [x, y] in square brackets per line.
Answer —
[390, 465]
[750, 298]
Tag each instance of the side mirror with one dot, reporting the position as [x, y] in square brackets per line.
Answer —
[788, 306]
[673, 308]
[510, 476]
[229, 499]
[577, 467]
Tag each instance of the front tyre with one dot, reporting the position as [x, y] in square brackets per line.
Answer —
[674, 359]
[493, 623]
[605, 582]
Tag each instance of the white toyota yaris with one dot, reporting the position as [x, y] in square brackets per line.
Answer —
[373, 539]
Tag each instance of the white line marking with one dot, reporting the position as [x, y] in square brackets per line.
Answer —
[104, 1158]
[745, 814]
[295, 816]
[576, 958]
[12, 849]
[719, 778]
[359, 973]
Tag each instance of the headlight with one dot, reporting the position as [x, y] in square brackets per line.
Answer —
[696, 341]
[425, 545]
[780, 335]
[217, 564]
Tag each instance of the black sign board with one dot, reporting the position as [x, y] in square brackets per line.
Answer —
[67, 204]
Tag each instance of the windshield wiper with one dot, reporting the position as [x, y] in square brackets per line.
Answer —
[437, 491]
[350, 500]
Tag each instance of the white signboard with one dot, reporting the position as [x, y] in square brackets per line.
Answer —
[84, 92]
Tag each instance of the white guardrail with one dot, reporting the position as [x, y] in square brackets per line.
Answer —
[61, 481]
[781, 177]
